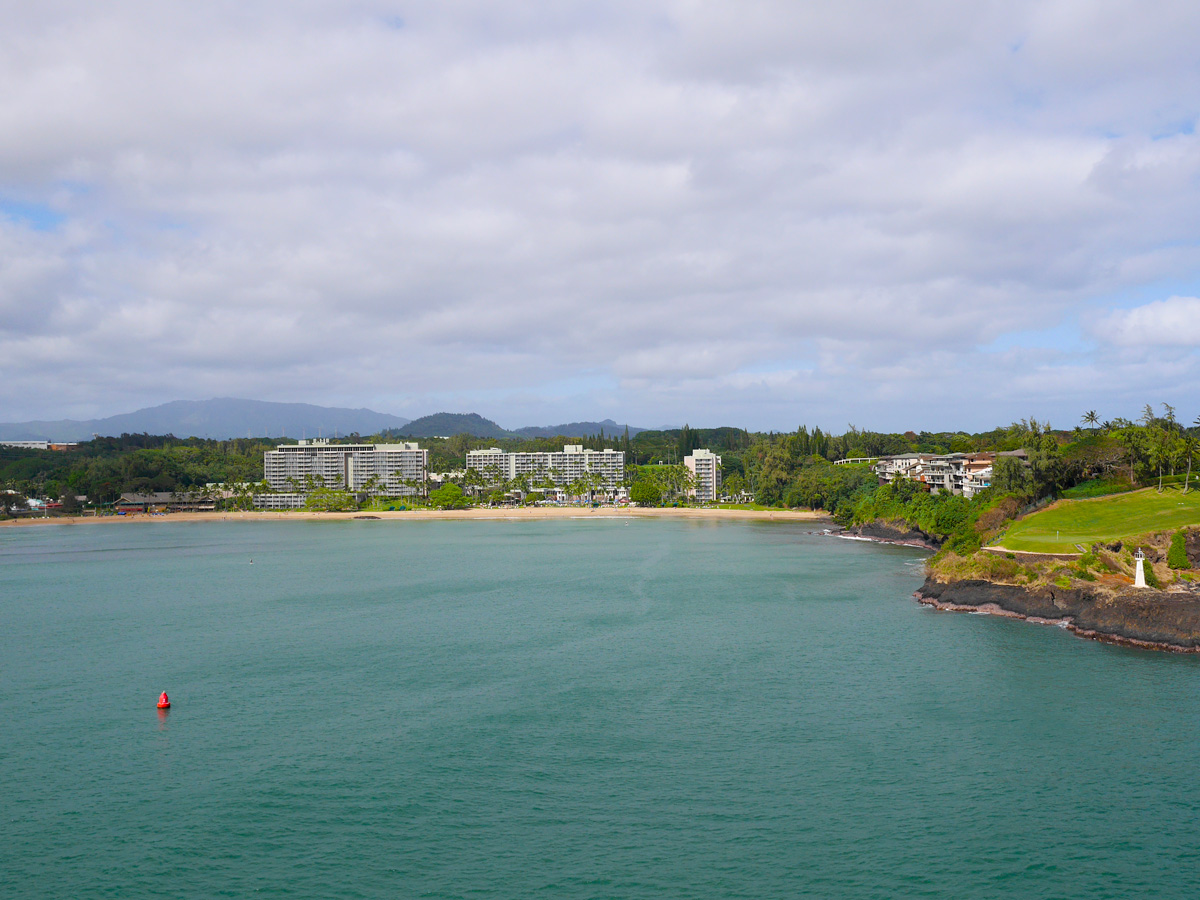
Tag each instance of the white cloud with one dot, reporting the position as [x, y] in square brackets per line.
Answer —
[1174, 322]
[665, 210]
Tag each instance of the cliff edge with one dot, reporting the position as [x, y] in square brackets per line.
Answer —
[1134, 617]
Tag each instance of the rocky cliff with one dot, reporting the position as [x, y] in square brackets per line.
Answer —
[1139, 618]
[899, 533]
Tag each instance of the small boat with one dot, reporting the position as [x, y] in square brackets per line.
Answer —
[163, 702]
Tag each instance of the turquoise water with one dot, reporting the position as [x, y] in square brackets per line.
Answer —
[564, 709]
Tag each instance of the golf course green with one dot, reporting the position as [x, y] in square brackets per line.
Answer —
[1120, 517]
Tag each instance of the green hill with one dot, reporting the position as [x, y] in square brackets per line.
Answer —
[1120, 517]
[446, 424]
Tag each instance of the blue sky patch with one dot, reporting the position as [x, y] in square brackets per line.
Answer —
[37, 216]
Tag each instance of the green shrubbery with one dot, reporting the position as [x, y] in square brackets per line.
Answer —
[821, 485]
[1177, 557]
[999, 568]
[1151, 578]
[946, 516]
[1098, 487]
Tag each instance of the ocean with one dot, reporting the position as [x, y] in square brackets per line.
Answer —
[564, 709]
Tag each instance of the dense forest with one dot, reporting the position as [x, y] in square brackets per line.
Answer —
[103, 468]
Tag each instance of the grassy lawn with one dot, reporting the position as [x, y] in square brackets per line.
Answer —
[1116, 518]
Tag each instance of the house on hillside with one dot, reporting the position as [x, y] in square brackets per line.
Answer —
[965, 474]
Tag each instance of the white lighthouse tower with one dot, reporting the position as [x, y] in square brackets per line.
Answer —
[1139, 572]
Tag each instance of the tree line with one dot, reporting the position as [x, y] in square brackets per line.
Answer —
[775, 468]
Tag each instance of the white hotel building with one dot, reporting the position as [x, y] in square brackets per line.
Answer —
[562, 468]
[382, 470]
[705, 466]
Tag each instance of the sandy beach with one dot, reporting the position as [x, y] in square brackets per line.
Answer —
[541, 512]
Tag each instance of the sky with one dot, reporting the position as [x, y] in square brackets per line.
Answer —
[923, 215]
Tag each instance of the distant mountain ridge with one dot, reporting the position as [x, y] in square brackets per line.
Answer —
[445, 424]
[579, 429]
[219, 418]
[226, 417]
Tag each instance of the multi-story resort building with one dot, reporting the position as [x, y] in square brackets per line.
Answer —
[958, 473]
[705, 467]
[387, 470]
[561, 469]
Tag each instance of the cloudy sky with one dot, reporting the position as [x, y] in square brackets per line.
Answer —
[898, 215]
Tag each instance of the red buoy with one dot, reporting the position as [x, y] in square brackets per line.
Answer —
[163, 702]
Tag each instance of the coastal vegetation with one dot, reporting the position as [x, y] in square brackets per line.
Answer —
[103, 468]
[765, 470]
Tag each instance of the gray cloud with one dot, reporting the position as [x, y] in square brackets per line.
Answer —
[760, 214]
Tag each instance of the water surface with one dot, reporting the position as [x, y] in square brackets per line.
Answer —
[564, 709]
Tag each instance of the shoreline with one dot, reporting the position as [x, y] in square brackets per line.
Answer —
[1144, 620]
[418, 515]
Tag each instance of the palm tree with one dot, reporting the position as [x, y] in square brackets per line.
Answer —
[1189, 451]
[370, 486]
[1160, 453]
[1090, 418]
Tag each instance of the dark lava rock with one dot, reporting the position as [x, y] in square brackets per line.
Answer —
[1043, 603]
[1192, 544]
[881, 531]
[1141, 618]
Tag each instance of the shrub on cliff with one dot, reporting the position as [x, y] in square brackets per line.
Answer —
[1151, 578]
[1000, 568]
[1177, 557]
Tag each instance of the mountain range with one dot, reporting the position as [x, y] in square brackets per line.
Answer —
[221, 419]
[225, 418]
[445, 424]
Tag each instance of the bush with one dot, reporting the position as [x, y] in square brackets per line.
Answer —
[965, 543]
[1177, 557]
[1151, 578]
[998, 568]
[1098, 487]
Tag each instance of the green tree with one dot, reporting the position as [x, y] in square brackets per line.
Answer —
[371, 486]
[1190, 445]
[449, 496]
[1010, 475]
[325, 499]
[734, 484]
[645, 493]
